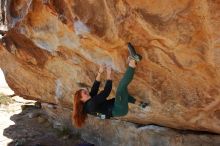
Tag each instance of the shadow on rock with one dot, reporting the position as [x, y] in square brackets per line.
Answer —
[32, 128]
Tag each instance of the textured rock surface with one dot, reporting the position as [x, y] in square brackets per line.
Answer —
[53, 45]
[120, 133]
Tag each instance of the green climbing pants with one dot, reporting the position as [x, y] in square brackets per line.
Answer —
[122, 98]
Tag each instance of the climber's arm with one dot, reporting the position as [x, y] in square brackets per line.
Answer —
[95, 88]
[108, 86]
[96, 84]
[101, 97]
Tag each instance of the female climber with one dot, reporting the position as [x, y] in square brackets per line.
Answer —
[95, 103]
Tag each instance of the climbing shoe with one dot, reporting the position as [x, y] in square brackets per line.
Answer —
[143, 104]
[133, 54]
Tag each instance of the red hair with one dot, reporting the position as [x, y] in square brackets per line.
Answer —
[78, 115]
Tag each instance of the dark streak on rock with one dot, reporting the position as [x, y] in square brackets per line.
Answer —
[25, 45]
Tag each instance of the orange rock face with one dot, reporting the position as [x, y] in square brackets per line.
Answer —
[52, 46]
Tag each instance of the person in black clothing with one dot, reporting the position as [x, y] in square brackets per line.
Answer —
[95, 103]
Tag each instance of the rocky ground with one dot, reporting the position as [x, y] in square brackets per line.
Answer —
[24, 124]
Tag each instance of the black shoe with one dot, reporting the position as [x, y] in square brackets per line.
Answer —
[143, 104]
[133, 54]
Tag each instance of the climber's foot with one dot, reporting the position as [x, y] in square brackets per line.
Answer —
[136, 57]
[143, 104]
[140, 103]
[133, 54]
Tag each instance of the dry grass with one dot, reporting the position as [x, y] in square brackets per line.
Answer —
[5, 100]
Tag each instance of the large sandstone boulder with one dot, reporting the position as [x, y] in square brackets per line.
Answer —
[120, 133]
[52, 46]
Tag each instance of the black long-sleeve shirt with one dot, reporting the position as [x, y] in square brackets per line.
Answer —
[98, 102]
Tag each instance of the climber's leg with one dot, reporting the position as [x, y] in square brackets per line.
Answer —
[120, 107]
[122, 98]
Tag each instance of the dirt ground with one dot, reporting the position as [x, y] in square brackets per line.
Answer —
[22, 123]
